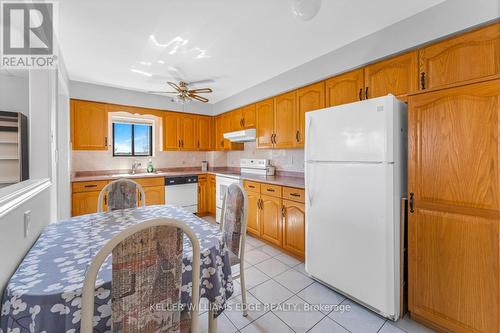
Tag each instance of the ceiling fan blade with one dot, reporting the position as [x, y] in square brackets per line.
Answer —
[175, 86]
[198, 91]
[163, 92]
[201, 81]
[199, 98]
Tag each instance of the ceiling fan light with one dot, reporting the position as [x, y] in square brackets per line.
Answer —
[305, 9]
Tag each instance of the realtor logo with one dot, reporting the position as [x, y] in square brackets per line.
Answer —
[27, 34]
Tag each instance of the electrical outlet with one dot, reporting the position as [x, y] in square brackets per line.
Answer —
[27, 223]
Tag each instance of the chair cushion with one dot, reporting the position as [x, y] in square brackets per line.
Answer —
[233, 215]
[147, 278]
[122, 195]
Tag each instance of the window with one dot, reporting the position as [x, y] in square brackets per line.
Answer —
[132, 139]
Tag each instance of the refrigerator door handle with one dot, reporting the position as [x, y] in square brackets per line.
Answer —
[309, 189]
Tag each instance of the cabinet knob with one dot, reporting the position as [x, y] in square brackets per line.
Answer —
[422, 80]
[366, 93]
[360, 94]
[411, 202]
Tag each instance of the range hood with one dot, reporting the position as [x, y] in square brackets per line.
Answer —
[241, 136]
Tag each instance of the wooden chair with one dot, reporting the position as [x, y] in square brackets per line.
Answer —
[122, 194]
[234, 225]
[147, 273]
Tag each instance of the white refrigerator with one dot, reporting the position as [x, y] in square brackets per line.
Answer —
[355, 171]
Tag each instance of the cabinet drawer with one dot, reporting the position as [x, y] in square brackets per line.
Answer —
[153, 181]
[272, 190]
[202, 178]
[294, 194]
[96, 185]
[251, 186]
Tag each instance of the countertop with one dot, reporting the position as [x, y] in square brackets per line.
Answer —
[282, 178]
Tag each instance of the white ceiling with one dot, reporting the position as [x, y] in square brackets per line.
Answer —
[238, 43]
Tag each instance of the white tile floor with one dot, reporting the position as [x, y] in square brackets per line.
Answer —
[276, 278]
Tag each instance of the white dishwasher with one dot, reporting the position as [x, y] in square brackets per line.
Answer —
[182, 191]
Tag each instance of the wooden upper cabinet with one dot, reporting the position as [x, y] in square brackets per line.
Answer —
[309, 98]
[171, 135]
[203, 133]
[248, 116]
[89, 125]
[397, 76]
[188, 137]
[345, 88]
[219, 135]
[285, 120]
[236, 120]
[453, 234]
[265, 123]
[474, 55]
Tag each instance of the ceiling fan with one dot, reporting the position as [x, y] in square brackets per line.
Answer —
[184, 94]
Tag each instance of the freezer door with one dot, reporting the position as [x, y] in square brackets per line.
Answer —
[352, 233]
[357, 132]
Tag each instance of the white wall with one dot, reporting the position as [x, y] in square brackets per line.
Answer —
[14, 92]
[444, 19]
[13, 243]
[100, 93]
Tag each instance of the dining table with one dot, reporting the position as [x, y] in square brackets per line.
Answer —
[44, 294]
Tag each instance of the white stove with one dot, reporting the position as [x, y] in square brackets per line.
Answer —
[223, 180]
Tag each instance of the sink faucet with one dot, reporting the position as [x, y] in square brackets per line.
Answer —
[135, 164]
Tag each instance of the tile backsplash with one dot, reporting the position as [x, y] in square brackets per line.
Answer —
[283, 159]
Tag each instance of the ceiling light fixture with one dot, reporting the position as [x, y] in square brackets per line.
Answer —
[138, 71]
[305, 10]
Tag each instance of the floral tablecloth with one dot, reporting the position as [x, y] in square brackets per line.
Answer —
[44, 293]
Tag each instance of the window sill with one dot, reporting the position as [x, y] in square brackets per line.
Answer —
[17, 194]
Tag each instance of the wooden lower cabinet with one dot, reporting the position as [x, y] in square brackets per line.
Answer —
[155, 195]
[270, 217]
[294, 217]
[211, 189]
[253, 224]
[86, 203]
[276, 219]
[454, 222]
[85, 194]
[202, 195]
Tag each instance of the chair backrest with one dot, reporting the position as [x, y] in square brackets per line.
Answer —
[122, 194]
[234, 219]
[146, 279]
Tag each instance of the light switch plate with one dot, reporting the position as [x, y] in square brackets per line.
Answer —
[27, 223]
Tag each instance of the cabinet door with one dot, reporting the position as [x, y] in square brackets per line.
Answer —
[89, 125]
[203, 133]
[236, 120]
[248, 115]
[294, 227]
[397, 76]
[189, 138]
[86, 203]
[474, 55]
[271, 219]
[253, 224]
[202, 194]
[155, 195]
[285, 120]
[226, 127]
[309, 98]
[345, 88]
[265, 123]
[211, 195]
[219, 134]
[171, 135]
[453, 234]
